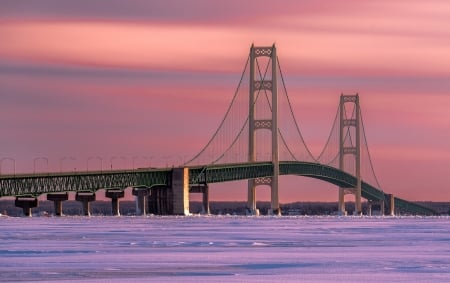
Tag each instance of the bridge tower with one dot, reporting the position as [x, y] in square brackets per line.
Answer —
[355, 150]
[256, 86]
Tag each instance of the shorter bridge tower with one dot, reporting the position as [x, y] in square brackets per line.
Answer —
[256, 86]
[345, 124]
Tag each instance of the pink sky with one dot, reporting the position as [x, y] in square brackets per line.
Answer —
[154, 79]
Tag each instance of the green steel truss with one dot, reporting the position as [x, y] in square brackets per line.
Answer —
[232, 172]
[37, 184]
[229, 172]
[413, 207]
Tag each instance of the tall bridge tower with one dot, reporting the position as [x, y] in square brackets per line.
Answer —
[345, 125]
[267, 85]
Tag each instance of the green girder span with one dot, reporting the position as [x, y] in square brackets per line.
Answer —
[242, 171]
[413, 207]
[37, 184]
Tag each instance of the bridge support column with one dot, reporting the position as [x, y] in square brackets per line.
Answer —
[341, 207]
[26, 203]
[141, 200]
[180, 191]
[391, 204]
[115, 195]
[57, 199]
[85, 198]
[152, 201]
[160, 201]
[251, 199]
[205, 207]
[373, 206]
[204, 190]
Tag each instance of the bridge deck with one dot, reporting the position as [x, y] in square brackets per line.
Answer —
[36, 184]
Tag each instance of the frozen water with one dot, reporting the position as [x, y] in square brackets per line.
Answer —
[225, 248]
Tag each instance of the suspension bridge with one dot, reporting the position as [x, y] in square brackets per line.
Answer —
[258, 140]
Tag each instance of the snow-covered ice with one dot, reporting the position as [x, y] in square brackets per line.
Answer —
[225, 248]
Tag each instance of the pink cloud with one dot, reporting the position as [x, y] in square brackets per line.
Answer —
[119, 44]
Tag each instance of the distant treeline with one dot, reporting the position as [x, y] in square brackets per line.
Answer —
[216, 207]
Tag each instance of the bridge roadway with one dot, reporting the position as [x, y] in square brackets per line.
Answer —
[37, 184]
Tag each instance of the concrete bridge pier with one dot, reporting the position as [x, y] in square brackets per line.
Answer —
[205, 207]
[203, 189]
[153, 201]
[172, 200]
[115, 195]
[180, 191]
[159, 201]
[141, 200]
[341, 204]
[57, 199]
[372, 204]
[85, 198]
[390, 204]
[251, 199]
[26, 203]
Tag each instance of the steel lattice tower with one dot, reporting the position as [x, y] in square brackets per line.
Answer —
[355, 150]
[272, 124]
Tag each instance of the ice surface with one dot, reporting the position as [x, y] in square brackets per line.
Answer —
[225, 248]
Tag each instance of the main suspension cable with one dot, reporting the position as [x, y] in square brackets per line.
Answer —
[292, 112]
[330, 135]
[224, 118]
[368, 152]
